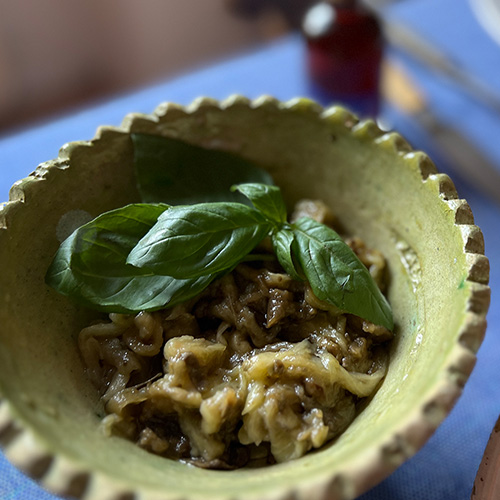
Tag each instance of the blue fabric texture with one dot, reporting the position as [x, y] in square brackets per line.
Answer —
[445, 468]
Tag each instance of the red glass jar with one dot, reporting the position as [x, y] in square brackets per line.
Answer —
[344, 53]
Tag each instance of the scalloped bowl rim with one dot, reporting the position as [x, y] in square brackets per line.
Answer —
[63, 475]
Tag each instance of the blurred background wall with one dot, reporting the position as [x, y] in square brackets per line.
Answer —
[59, 54]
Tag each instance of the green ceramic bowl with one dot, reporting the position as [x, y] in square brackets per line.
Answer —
[381, 190]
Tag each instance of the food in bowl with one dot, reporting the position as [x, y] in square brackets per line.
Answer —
[380, 188]
[244, 335]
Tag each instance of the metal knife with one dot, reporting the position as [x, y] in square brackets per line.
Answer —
[465, 157]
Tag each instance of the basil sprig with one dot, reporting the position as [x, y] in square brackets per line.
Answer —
[145, 257]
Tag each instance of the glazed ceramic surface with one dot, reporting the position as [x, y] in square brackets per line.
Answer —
[389, 195]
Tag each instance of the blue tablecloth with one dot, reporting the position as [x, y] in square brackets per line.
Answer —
[446, 466]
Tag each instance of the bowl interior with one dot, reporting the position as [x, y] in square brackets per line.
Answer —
[380, 190]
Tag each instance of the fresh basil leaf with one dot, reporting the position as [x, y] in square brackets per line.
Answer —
[174, 171]
[282, 241]
[336, 275]
[90, 265]
[104, 243]
[266, 199]
[189, 241]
